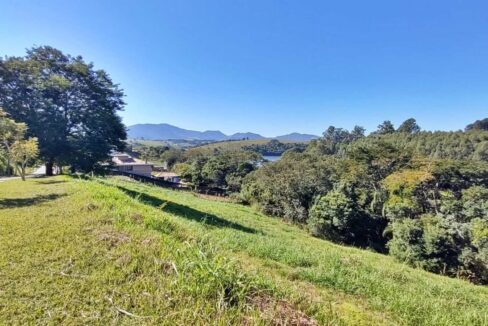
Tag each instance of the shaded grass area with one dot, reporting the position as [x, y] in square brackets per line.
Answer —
[184, 211]
[111, 251]
[29, 201]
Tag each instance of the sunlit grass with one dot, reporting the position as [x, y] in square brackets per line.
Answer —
[115, 251]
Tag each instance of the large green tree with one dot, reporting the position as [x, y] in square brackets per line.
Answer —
[67, 104]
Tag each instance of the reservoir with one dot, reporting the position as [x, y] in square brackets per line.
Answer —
[272, 158]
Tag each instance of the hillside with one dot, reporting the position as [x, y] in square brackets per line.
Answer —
[109, 251]
[245, 135]
[297, 137]
[234, 145]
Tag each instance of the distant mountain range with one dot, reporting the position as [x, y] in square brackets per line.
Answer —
[164, 131]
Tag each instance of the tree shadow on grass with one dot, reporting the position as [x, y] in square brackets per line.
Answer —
[185, 211]
[22, 202]
[49, 182]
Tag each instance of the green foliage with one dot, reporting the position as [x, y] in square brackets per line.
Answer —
[287, 187]
[472, 145]
[385, 128]
[68, 105]
[336, 217]
[407, 241]
[475, 203]
[402, 187]
[335, 139]
[13, 147]
[391, 191]
[442, 245]
[151, 153]
[409, 126]
[433, 211]
[274, 148]
[172, 156]
[23, 153]
[225, 170]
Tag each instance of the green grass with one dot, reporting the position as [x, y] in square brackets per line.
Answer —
[111, 251]
[146, 142]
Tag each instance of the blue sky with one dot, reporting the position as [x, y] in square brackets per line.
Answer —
[273, 67]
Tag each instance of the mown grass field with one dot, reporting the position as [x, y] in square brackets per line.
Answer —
[111, 251]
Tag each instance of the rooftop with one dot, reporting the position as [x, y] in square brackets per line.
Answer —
[125, 159]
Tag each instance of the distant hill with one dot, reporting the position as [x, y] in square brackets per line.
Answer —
[164, 131]
[246, 135]
[297, 137]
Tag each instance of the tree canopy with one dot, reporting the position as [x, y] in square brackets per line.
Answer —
[409, 126]
[386, 128]
[67, 104]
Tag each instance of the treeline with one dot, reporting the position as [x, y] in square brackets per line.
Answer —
[421, 197]
[472, 145]
[469, 145]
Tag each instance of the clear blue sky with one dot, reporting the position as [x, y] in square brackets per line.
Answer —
[273, 67]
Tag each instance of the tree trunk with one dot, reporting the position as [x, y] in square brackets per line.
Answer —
[8, 170]
[49, 168]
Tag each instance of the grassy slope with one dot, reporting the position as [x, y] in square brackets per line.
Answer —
[237, 144]
[94, 251]
[148, 142]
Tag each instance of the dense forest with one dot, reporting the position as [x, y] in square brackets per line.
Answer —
[422, 197]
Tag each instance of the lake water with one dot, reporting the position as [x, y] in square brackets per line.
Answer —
[272, 158]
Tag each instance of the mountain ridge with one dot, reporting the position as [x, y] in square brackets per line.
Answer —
[165, 131]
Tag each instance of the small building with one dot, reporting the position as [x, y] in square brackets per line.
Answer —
[126, 163]
[168, 176]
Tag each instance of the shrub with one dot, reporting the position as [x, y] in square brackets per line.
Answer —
[338, 217]
[335, 217]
